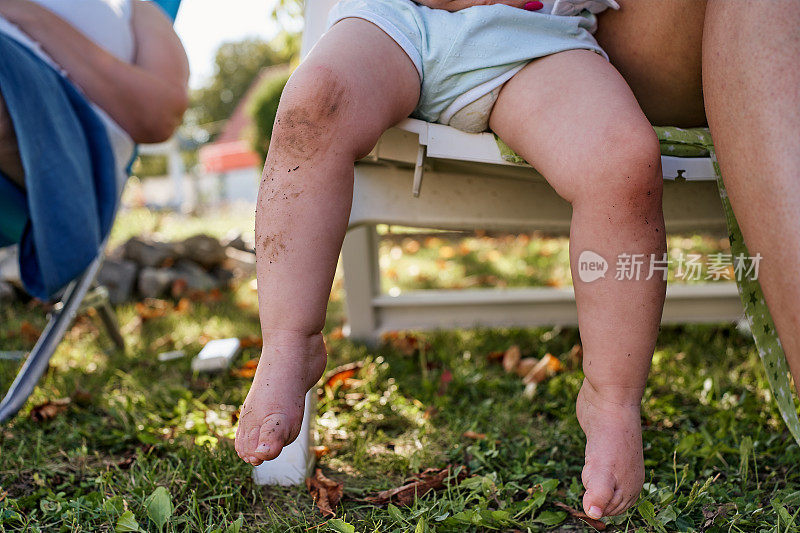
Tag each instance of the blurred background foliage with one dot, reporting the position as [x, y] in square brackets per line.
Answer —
[237, 64]
[262, 108]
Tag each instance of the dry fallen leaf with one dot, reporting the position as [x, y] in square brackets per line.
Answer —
[152, 308]
[184, 305]
[576, 356]
[326, 492]
[405, 343]
[474, 435]
[320, 451]
[547, 366]
[336, 334]
[712, 512]
[526, 365]
[416, 487]
[444, 382]
[496, 357]
[49, 409]
[511, 358]
[340, 375]
[247, 370]
[597, 524]
[252, 341]
[29, 332]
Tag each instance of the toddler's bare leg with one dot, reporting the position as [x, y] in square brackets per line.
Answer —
[355, 84]
[10, 163]
[574, 118]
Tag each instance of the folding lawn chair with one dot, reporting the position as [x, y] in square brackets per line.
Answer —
[81, 294]
[468, 185]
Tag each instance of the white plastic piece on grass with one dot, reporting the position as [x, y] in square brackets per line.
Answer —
[216, 355]
[170, 356]
[295, 462]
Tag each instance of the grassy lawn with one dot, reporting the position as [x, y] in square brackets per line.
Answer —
[718, 457]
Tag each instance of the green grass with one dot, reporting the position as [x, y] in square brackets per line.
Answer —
[718, 457]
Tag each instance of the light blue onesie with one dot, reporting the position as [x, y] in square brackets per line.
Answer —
[465, 55]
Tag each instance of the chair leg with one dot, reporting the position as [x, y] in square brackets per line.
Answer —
[361, 282]
[295, 462]
[39, 358]
[109, 320]
[97, 299]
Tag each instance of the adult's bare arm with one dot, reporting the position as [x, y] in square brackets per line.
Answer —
[146, 98]
[457, 5]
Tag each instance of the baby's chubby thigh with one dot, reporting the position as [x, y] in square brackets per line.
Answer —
[573, 117]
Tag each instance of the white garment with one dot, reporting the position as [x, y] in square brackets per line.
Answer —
[108, 24]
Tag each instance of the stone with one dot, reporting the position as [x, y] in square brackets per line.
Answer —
[195, 277]
[7, 293]
[118, 276]
[204, 250]
[243, 264]
[148, 254]
[154, 282]
[234, 239]
[223, 276]
[9, 265]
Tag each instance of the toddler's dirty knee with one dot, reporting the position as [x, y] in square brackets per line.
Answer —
[314, 104]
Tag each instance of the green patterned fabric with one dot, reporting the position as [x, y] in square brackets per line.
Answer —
[679, 142]
[696, 142]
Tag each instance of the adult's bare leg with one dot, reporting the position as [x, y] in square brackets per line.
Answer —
[655, 45]
[10, 163]
[752, 88]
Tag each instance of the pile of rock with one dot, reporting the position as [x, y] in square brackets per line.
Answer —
[147, 268]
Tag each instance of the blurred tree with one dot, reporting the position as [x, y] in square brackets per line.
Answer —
[262, 108]
[236, 66]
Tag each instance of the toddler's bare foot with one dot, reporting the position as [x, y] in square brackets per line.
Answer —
[291, 363]
[613, 473]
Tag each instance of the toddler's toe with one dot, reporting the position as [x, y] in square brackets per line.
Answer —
[273, 435]
[600, 488]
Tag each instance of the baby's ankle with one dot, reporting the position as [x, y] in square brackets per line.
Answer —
[612, 395]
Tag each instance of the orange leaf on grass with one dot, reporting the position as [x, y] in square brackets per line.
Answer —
[417, 486]
[247, 370]
[336, 334]
[405, 343]
[326, 492]
[29, 332]
[152, 308]
[576, 356]
[184, 305]
[526, 365]
[597, 524]
[547, 366]
[496, 357]
[511, 358]
[49, 409]
[252, 341]
[341, 374]
[474, 435]
[320, 451]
